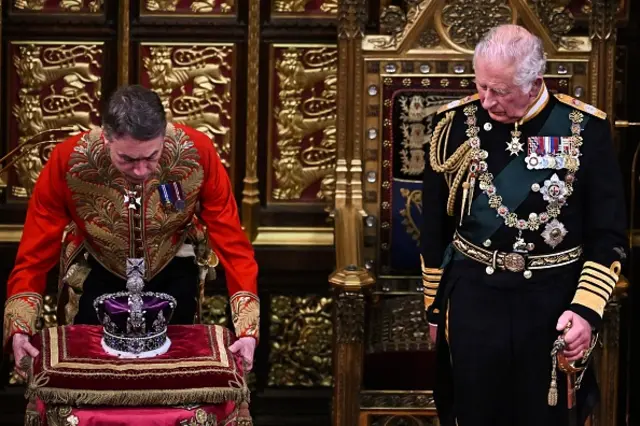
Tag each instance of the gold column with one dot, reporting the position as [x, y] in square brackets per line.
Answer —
[350, 281]
[124, 41]
[602, 30]
[349, 286]
[250, 192]
[351, 22]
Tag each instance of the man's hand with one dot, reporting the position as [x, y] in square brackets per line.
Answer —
[578, 338]
[433, 332]
[22, 347]
[245, 347]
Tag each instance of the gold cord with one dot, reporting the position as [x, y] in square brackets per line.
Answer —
[456, 166]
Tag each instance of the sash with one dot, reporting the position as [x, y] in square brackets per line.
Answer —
[513, 183]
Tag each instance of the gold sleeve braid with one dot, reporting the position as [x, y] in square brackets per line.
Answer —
[455, 167]
[596, 285]
[430, 282]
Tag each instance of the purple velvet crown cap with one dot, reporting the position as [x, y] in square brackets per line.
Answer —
[114, 313]
[135, 322]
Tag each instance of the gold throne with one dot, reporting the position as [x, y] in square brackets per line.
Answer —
[384, 361]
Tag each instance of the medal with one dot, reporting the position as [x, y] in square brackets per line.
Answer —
[515, 146]
[172, 196]
[554, 233]
[550, 152]
[165, 198]
[131, 200]
[179, 202]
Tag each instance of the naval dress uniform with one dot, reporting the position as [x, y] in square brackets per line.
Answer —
[521, 222]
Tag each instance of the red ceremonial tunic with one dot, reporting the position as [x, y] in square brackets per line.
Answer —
[80, 186]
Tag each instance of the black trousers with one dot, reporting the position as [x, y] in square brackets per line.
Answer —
[180, 279]
[501, 330]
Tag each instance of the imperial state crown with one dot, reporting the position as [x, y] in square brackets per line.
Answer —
[135, 322]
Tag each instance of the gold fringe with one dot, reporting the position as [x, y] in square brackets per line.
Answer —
[77, 397]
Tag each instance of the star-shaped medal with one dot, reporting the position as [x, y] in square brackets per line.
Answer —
[132, 201]
[515, 146]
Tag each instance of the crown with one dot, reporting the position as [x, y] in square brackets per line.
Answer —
[135, 322]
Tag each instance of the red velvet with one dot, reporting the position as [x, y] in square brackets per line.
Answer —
[144, 416]
[71, 357]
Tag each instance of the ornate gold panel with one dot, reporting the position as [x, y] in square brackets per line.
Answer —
[302, 124]
[464, 23]
[300, 337]
[59, 6]
[455, 26]
[214, 310]
[187, 8]
[195, 84]
[53, 86]
[304, 8]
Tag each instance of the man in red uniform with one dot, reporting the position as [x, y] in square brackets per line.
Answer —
[135, 188]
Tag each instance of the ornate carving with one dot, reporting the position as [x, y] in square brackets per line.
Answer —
[429, 38]
[59, 88]
[301, 335]
[214, 310]
[351, 19]
[201, 418]
[413, 400]
[251, 190]
[404, 420]
[195, 86]
[466, 22]
[49, 314]
[305, 6]
[189, 6]
[395, 24]
[392, 21]
[602, 19]
[305, 148]
[91, 6]
[349, 317]
[555, 16]
[399, 324]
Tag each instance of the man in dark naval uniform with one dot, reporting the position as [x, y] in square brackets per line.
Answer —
[523, 239]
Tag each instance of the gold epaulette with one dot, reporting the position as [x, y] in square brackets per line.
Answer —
[458, 102]
[579, 105]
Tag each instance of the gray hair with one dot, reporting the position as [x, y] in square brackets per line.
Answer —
[134, 111]
[514, 44]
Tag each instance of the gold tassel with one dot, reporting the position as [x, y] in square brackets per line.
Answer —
[244, 416]
[559, 344]
[32, 419]
[31, 415]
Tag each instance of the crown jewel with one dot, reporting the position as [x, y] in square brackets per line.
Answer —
[135, 322]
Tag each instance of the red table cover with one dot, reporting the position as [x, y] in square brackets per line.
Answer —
[207, 415]
[73, 369]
